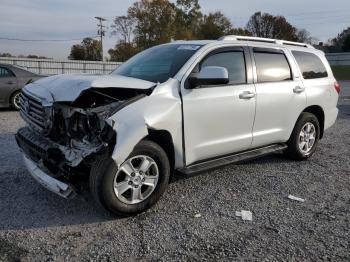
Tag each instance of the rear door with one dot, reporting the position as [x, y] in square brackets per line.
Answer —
[218, 120]
[319, 83]
[8, 83]
[280, 95]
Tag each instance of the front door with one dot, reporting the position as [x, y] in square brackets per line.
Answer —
[218, 120]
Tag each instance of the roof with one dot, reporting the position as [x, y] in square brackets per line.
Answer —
[247, 40]
[264, 40]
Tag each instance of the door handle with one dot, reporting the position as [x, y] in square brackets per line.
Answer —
[298, 89]
[246, 95]
[10, 82]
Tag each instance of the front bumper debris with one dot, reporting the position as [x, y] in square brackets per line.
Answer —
[52, 184]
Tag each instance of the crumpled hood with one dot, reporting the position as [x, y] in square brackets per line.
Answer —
[67, 88]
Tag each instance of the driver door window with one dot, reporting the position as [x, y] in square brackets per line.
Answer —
[233, 61]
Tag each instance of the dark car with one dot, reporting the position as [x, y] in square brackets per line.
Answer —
[12, 80]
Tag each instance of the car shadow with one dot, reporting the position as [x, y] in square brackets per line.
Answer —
[25, 204]
[7, 109]
[272, 159]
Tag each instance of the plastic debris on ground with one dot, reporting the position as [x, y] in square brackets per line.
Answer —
[245, 215]
[296, 198]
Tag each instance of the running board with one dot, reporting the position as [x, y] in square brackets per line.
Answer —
[227, 160]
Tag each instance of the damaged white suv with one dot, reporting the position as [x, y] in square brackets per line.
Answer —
[183, 106]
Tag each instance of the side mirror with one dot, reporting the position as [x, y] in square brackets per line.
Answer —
[210, 75]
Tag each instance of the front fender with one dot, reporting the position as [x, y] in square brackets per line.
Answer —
[159, 111]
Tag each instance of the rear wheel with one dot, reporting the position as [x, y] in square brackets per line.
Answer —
[15, 100]
[304, 139]
[136, 185]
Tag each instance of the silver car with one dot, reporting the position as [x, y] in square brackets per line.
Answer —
[186, 106]
[12, 80]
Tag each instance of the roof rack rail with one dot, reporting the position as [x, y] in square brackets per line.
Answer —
[263, 40]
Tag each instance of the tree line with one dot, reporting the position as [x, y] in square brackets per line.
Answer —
[23, 56]
[149, 23]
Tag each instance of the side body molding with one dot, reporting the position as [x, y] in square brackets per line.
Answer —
[159, 111]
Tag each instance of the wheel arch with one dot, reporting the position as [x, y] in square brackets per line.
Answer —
[164, 139]
[319, 113]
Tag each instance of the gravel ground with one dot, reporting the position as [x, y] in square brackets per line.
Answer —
[38, 225]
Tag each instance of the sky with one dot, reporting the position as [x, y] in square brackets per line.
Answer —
[74, 19]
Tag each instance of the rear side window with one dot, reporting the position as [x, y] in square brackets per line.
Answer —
[4, 72]
[310, 65]
[233, 61]
[272, 67]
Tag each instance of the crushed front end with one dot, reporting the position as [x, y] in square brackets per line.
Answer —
[64, 139]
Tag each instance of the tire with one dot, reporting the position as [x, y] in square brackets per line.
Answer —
[105, 179]
[14, 100]
[300, 148]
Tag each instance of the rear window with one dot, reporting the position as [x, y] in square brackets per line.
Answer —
[272, 67]
[310, 65]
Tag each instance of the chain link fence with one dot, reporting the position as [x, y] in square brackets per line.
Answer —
[54, 67]
[339, 59]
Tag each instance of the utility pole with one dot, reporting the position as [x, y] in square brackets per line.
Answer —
[101, 32]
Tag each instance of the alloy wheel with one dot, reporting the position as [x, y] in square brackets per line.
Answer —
[17, 101]
[136, 179]
[307, 138]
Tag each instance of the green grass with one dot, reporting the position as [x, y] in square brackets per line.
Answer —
[341, 72]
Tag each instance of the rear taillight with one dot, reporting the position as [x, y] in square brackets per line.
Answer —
[337, 87]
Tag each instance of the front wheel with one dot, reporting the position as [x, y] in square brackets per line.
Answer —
[304, 139]
[15, 100]
[136, 185]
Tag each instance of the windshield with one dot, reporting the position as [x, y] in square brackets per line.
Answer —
[157, 64]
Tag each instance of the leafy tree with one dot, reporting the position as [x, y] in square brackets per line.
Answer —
[154, 22]
[269, 26]
[123, 51]
[240, 31]
[124, 27]
[304, 36]
[77, 52]
[214, 26]
[346, 44]
[89, 49]
[36, 56]
[5, 55]
[187, 19]
[341, 42]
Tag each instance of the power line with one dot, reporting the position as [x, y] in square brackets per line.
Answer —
[332, 12]
[325, 23]
[303, 14]
[44, 40]
[320, 17]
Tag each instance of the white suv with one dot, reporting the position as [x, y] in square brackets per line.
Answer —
[187, 106]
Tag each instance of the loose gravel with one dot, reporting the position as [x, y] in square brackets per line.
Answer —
[195, 220]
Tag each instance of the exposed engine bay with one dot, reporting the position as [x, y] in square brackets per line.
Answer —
[79, 130]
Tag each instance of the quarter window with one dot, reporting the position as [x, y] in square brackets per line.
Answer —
[310, 65]
[233, 61]
[272, 67]
[4, 72]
